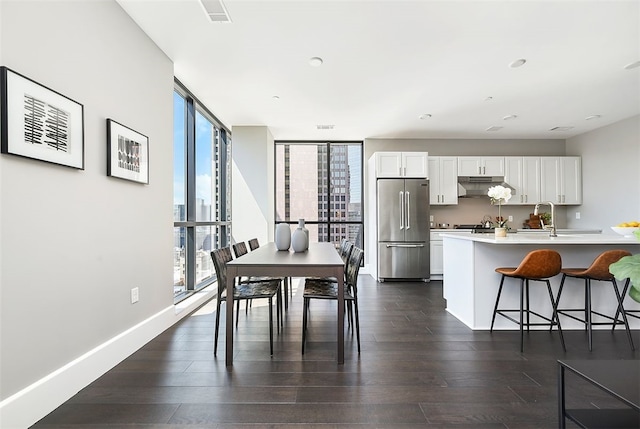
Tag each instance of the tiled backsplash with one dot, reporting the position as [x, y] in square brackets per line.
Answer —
[472, 210]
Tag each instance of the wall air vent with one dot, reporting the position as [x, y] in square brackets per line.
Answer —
[215, 10]
[325, 127]
[494, 128]
[561, 128]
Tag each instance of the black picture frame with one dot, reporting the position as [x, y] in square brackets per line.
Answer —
[127, 153]
[40, 123]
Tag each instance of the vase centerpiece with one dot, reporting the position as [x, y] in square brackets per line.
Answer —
[300, 238]
[499, 194]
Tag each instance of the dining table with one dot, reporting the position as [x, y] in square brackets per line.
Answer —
[319, 260]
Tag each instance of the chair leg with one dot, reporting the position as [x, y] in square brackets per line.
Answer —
[237, 311]
[526, 283]
[623, 294]
[495, 308]
[271, 326]
[355, 304]
[305, 309]
[521, 315]
[624, 314]
[215, 340]
[589, 313]
[555, 317]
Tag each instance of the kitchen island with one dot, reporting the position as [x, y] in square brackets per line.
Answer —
[470, 283]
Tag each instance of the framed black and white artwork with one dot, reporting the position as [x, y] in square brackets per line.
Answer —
[127, 153]
[40, 123]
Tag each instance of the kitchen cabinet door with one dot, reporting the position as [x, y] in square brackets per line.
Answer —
[402, 164]
[480, 166]
[388, 164]
[415, 164]
[561, 179]
[443, 180]
[523, 173]
[437, 259]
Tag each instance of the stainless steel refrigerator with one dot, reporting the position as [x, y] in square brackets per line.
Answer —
[403, 229]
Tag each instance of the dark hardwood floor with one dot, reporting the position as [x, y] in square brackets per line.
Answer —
[419, 367]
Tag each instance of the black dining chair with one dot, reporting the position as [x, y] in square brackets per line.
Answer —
[242, 292]
[323, 289]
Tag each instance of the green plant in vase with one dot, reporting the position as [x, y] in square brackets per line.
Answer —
[628, 267]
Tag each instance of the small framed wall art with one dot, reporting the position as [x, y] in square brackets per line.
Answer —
[40, 123]
[127, 153]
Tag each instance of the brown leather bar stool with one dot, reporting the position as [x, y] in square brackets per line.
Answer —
[537, 265]
[599, 270]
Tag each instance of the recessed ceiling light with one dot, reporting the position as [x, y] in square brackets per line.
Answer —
[632, 65]
[588, 118]
[494, 128]
[488, 99]
[325, 127]
[424, 116]
[517, 63]
[275, 97]
[315, 61]
[509, 117]
[561, 128]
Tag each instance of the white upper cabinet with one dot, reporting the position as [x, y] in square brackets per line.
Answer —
[523, 173]
[561, 179]
[480, 166]
[402, 164]
[443, 180]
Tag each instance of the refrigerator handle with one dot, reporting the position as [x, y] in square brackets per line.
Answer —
[401, 194]
[408, 210]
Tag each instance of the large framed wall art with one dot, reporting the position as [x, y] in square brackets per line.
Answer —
[127, 153]
[40, 123]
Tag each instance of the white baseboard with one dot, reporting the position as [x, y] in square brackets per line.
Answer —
[32, 403]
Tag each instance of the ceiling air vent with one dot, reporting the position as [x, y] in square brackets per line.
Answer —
[494, 128]
[325, 127]
[561, 128]
[215, 10]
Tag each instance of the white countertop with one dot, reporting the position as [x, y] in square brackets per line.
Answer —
[540, 238]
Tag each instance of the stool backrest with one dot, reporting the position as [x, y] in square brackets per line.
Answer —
[599, 269]
[539, 264]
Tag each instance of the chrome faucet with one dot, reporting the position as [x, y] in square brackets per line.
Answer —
[552, 230]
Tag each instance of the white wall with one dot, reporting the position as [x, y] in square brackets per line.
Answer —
[252, 203]
[610, 175]
[74, 242]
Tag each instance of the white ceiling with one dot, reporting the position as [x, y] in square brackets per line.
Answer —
[388, 62]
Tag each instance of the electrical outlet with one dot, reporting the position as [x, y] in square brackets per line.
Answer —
[135, 295]
[577, 215]
[510, 218]
[431, 218]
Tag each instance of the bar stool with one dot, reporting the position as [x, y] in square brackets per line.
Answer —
[537, 265]
[599, 270]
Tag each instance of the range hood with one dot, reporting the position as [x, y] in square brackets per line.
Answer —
[478, 186]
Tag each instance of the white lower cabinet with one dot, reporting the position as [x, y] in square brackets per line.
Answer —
[437, 260]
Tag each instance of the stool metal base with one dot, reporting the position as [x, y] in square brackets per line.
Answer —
[524, 296]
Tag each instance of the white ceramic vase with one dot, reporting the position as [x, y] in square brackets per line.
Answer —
[501, 232]
[300, 238]
[283, 236]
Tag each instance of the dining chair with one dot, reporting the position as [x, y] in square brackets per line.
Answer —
[323, 289]
[344, 251]
[253, 244]
[288, 290]
[242, 292]
[240, 249]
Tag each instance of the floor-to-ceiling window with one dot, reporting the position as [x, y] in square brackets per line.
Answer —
[322, 184]
[201, 192]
